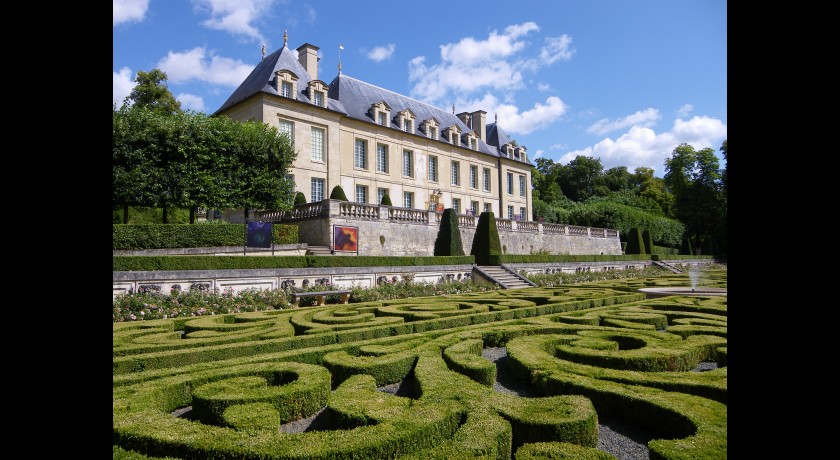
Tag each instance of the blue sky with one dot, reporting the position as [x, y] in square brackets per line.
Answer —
[620, 80]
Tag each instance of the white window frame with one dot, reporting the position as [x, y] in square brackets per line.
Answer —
[456, 173]
[474, 207]
[383, 118]
[288, 127]
[408, 200]
[361, 194]
[474, 177]
[318, 144]
[318, 98]
[433, 166]
[286, 89]
[316, 183]
[522, 213]
[486, 176]
[381, 158]
[510, 212]
[360, 154]
[456, 205]
[408, 163]
[521, 185]
[510, 183]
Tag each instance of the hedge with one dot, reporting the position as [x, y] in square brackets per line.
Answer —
[154, 263]
[552, 258]
[164, 236]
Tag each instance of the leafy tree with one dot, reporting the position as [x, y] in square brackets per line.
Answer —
[448, 241]
[151, 92]
[617, 179]
[581, 178]
[695, 180]
[338, 194]
[653, 189]
[133, 172]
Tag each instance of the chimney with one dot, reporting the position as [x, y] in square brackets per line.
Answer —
[308, 58]
[479, 124]
[464, 117]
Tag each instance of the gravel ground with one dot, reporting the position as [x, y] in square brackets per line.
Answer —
[622, 440]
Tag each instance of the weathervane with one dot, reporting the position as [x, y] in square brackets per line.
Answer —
[285, 37]
[263, 50]
[340, 47]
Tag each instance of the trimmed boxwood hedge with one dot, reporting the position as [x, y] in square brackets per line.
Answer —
[165, 236]
[550, 258]
[153, 263]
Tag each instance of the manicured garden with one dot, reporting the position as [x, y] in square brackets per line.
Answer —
[217, 385]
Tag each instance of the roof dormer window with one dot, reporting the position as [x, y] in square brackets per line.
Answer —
[453, 135]
[430, 127]
[381, 113]
[285, 82]
[317, 93]
[471, 140]
[405, 118]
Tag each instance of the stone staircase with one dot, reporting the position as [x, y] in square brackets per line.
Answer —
[667, 266]
[503, 276]
[318, 251]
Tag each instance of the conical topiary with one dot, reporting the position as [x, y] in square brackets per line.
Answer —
[635, 245]
[486, 241]
[299, 198]
[685, 249]
[448, 242]
[338, 194]
[648, 241]
[386, 200]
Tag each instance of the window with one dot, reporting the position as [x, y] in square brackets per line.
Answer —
[432, 169]
[510, 212]
[317, 144]
[521, 185]
[288, 128]
[474, 207]
[286, 89]
[473, 176]
[319, 98]
[433, 133]
[487, 207]
[408, 125]
[360, 154]
[383, 120]
[361, 194]
[381, 158]
[408, 199]
[317, 190]
[456, 205]
[521, 213]
[380, 192]
[408, 162]
[510, 183]
[486, 179]
[456, 173]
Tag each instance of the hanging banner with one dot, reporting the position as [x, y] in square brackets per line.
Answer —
[259, 234]
[346, 239]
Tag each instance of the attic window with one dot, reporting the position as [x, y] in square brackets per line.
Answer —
[285, 83]
[430, 127]
[381, 113]
[317, 93]
[471, 141]
[406, 121]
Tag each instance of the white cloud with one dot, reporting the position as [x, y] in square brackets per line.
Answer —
[685, 110]
[645, 118]
[555, 49]
[641, 146]
[558, 146]
[380, 53]
[130, 10]
[543, 87]
[539, 117]
[190, 102]
[123, 84]
[235, 16]
[198, 64]
[538, 154]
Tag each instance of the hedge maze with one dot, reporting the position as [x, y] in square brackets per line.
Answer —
[228, 386]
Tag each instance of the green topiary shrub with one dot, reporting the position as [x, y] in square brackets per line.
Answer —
[338, 194]
[635, 244]
[299, 198]
[648, 242]
[386, 200]
[685, 249]
[486, 241]
[448, 241]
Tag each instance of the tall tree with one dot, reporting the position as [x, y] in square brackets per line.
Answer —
[581, 178]
[151, 92]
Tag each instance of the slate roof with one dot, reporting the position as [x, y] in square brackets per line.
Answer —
[354, 98]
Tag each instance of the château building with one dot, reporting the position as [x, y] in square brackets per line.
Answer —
[371, 141]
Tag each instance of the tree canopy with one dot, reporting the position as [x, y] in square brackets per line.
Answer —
[151, 92]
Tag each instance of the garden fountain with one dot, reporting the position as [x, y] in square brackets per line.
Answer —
[695, 290]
